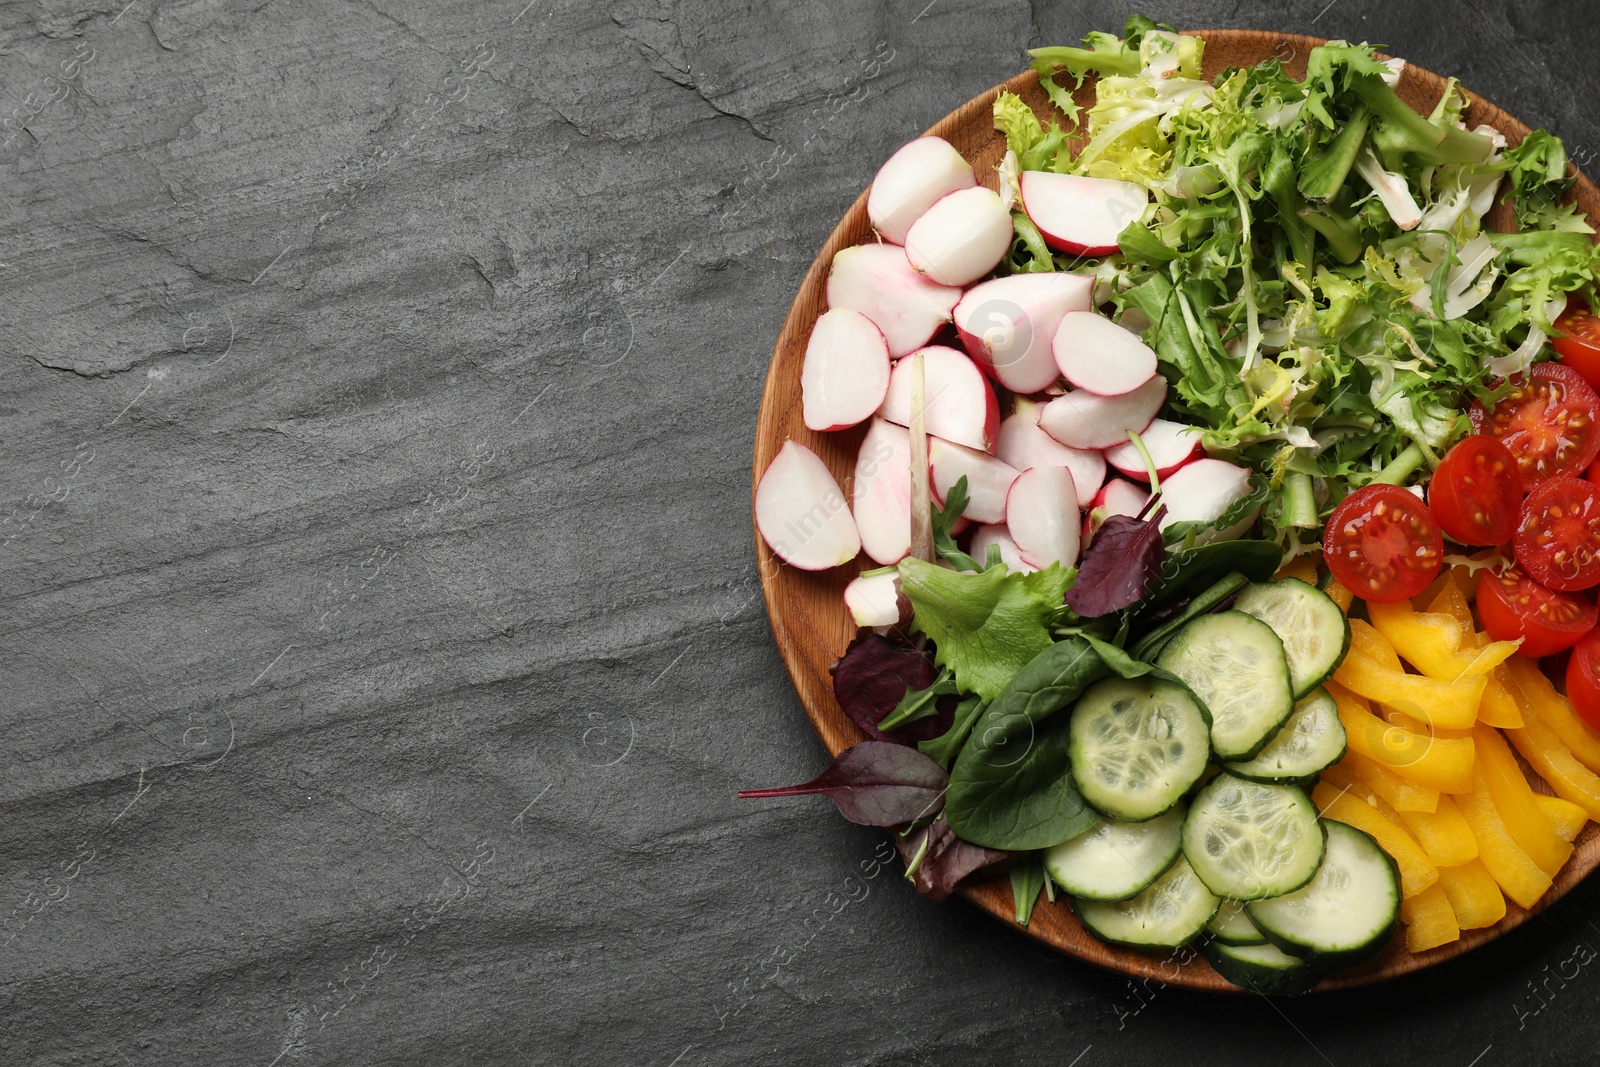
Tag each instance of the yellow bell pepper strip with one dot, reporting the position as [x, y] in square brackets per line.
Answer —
[1451, 601]
[1339, 595]
[1444, 764]
[1474, 895]
[1417, 726]
[1566, 818]
[1417, 872]
[1401, 793]
[1451, 705]
[1513, 799]
[1555, 763]
[1306, 568]
[1499, 704]
[1443, 834]
[1365, 639]
[1519, 876]
[1556, 712]
[1438, 645]
[1430, 920]
[1498, 707]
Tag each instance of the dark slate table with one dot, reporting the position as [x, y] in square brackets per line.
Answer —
[382, 636]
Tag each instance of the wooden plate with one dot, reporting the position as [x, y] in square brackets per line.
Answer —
[806, 609]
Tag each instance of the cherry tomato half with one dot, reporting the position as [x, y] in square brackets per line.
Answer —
[1476, 494]
[1548, 423]
[1580, 348]
[1558, 539]
[1512, 605]
[1382, 544]
[1583, 678]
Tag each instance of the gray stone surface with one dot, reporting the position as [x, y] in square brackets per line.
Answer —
[382, 645]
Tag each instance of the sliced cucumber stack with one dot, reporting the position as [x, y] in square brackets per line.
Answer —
[1261, 968]
[1116, 860]
[1346, 914]
[1137, 746]
[1250, 841]
[1232, 926]
[1235, 664]
[1314, 631]
[1175, 908]
[1312, 740]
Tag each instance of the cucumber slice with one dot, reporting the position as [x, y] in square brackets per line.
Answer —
[1137, 746]
[1315, 632]
[1249, 841]
[1232, 926]
[1346, 913]
[1174, 909]
[1312, 740]
[1261, 969]
[1234, 663]
[1115, 860]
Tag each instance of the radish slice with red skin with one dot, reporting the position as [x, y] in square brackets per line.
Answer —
[962, 237]
[846, 371]
[879, 282]
[1202, 491]
[1116, 497]
[1081, 419]
[1170, 444]
[1007, 324]
[1022, 444]
[881, 492]
[911, 181]
[802, 514]
[1096, 354]
[988, 479]
[1078, 215]
[1042, 516]
[960, 404]
[875, 600]
[1000, 537]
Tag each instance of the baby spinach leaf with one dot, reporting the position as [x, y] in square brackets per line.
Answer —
[875, 783]
[941, 860]
[1122, 561]
[944, 748]
[1187, 571]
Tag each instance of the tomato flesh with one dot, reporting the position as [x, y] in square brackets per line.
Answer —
[1476, 493]
[1558, 539]
[1382, 544]
[1548, 422]
[1512, 605]
[1583, 678]
[1580, 348]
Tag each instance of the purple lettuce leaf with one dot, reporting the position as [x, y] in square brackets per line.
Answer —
[1122, 563]
[875, 783]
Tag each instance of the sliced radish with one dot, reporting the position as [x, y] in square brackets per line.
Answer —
[846, 370]
[1081, 216]
[1000, 537]
[962, 237]
[879, 282]
[1202, 491]
[881, 492]
[1116, 497]
[1170, 444]
[1022, 444]
[801, 512]
[1096, 354]
[1042, 516]
[1082, 419]
[988, 479]
[915, 178]
[960, 405]
[874, 599]
[1007, 324]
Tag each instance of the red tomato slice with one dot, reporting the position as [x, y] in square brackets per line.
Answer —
[1382, 544]
[1512, 605]
[1580, 348]
[1583, 678]
[1558, 539]
[1548, 423]
[1476, 493]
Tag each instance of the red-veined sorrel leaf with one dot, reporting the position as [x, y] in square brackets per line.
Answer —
[872, 678]
[875, 783]
[946, 859]
[1122, 561]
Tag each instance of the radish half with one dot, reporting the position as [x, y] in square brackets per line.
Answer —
[1007, 324]
[1042, 516]
[846, 371]
[1078, 215]
[988, 479]
[1116, 497]
[801, 512]
[1082, 419]
[874, 599]
[1022, 444]
[879, 282]
[1096, 354]
[1000, 537]
[881, 492]
[1202, 491]
[960, 405]
[962, 237]
[1170, 444]
[911, 181]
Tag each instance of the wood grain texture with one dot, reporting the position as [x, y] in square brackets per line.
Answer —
[808, 618]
